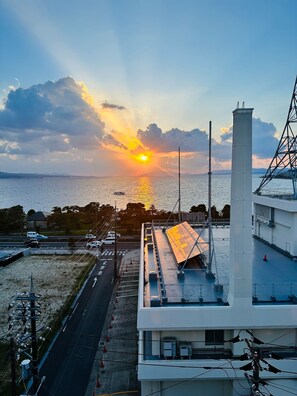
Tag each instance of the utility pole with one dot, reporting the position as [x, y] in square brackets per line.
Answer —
[24, 309]
[115, 248]
[255, 365]
[35, 373]
[13, 367]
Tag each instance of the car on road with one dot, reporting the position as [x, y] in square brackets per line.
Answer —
[34, 243]
[35, 235]
[90, 236]
[111, 235]
[40, 236]
[93, 244]
[109, 240]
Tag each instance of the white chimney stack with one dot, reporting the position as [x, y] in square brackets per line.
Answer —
[240, 286]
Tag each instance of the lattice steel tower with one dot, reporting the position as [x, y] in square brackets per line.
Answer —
[284, 163]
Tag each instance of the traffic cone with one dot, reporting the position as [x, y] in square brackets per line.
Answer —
[110, 326]
[101, 364]
[98, 382]
[265, 257]
[104, 349]
[107, 338]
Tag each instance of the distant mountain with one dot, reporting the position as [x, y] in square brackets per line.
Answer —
[8, 175]
[260, 171]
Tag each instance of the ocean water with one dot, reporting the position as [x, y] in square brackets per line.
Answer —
[43, 193]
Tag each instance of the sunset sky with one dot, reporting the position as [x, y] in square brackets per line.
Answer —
[114, 87]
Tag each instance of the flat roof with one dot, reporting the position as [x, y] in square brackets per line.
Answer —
[274, 280]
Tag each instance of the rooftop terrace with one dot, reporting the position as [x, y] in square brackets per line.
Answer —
[274, 280]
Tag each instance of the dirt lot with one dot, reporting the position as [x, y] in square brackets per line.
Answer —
[53, 276]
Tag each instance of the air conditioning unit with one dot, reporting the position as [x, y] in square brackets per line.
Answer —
[169, 347]
[185, 350]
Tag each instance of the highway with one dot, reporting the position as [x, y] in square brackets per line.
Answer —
[68, 364]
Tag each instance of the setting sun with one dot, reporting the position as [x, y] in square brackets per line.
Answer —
[143, 157]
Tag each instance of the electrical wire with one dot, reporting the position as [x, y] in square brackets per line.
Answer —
[282, 388]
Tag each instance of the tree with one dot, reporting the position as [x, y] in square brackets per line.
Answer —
[30, 212]
[226, 212]
[12, 219]
[214, 212]
[199, 208]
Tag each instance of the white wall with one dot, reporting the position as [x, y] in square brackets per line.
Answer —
[284, 233]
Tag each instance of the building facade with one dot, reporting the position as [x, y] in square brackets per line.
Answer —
[230, 334]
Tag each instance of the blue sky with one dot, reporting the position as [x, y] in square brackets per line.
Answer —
[88, 86]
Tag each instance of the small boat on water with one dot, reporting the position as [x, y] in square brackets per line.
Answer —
[119, 193]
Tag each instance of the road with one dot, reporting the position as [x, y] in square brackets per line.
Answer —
[52, 244]
[68, 365]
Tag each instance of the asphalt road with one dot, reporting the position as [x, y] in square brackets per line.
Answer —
[122, 244]
[68, 365]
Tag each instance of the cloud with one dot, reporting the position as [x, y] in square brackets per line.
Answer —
[58, 122]
[111, 143]
[106, 105]
[196, 141]
[264, 139]
[55, 116]
[188, 141]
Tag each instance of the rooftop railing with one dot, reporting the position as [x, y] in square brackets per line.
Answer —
[281, 194]
[275, 292]
[217, 294]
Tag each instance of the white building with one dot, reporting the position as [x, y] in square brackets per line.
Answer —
[200, 336]
[275, 200]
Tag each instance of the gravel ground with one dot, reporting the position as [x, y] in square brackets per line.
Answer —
[53, 277]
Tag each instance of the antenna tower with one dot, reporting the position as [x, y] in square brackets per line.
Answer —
[284, 163]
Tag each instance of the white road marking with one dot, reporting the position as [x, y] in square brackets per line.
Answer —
[64, 328]
[95, 281]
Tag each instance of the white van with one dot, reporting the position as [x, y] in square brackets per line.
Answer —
[32, 234]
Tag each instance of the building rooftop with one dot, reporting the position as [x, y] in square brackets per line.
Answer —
[274, 279]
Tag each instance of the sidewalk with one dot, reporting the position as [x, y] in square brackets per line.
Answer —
[114, 368]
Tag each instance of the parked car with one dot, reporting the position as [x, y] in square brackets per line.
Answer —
[35, 235]
[94, 244]
[34, 243]
[90, 236]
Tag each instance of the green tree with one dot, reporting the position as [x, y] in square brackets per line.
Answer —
[214, 212]
[198, 208]
[226, 212]
[12, 219]
[30, 212]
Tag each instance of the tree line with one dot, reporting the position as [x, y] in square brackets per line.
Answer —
[76, 218]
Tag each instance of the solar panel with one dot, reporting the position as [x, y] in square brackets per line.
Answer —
[182, 239]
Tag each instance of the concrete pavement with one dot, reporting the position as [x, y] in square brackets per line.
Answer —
[114, 368]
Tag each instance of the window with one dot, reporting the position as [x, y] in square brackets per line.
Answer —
[214, 337]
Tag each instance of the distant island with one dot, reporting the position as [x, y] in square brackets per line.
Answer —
[11, 175]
